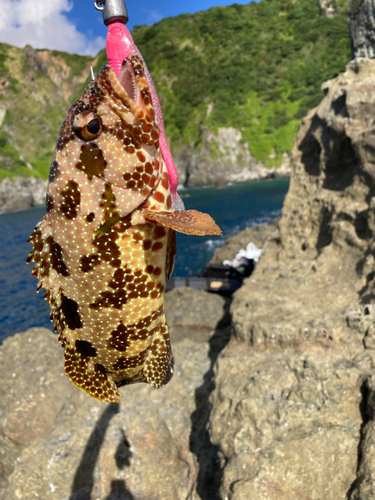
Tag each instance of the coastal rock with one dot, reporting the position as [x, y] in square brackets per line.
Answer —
[223, 158]
[292, 409]
[362, 25]
[21, 193]
[328, 8]
[189, 308]
[56, 442]
[257, 235]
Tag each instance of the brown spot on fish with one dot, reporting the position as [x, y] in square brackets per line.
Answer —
[107, 247]
[56, 256]
[109, 204]
[141, 156]
[54, 171]
[147, 244]
[91, 160]
[85, 348]
[149, 168]
[120, 338]
[158, 196]
[90, 217]
[49, 203]
[159, 232]
[165, 181]
[69, 309]
[119, 280]
[63, 141]
[146, 127]
[116, 299]
[137, 236]
[71, 199]
[88, 262]
[131, 362]
[157, 246]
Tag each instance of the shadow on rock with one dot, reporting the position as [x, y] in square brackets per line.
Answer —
[210, 467]
[83, 483]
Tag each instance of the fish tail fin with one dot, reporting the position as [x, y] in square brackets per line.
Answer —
[159, 364]
[90, 377]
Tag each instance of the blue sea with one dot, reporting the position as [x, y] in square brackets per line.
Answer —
[233, 208]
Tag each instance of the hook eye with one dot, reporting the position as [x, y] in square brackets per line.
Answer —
[99, 5]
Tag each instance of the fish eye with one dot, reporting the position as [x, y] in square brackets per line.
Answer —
[87, 126]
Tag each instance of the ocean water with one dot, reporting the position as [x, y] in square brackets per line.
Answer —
[233, 208]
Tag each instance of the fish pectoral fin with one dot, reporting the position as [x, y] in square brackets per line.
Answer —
[159, 363]
[185, 221]
[90, 377]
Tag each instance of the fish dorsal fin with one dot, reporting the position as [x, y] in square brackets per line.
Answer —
[184, 221]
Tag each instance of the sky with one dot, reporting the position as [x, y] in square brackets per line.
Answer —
[76, 26]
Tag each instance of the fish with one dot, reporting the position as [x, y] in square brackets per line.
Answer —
[108, 239]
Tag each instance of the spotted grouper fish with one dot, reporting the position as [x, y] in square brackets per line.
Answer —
[107, 241]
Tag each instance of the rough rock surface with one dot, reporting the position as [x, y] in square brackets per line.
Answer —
[293, 406]
[21, 193]
[328, 8]
[222, 158]
[56, 442]
[257, 235]
[362, 26]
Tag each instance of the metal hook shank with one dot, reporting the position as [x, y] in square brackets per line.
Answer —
[113, 10]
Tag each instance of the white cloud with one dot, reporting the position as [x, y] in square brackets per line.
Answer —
[43, 24]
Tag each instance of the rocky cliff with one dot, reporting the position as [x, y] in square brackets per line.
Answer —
[223, 158]
[20, 193]
[292, 409]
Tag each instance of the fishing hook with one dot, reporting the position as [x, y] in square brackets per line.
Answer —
[112, 11]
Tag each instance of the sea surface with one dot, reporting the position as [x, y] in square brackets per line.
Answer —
[233, 208]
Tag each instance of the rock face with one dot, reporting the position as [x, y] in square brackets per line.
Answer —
[56, 442]
[328, 8]
[293, 406]
[222, 158]
[21, 193]
[362, 26]
[257, 235]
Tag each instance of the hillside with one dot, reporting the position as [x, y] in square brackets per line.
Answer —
[234, 83]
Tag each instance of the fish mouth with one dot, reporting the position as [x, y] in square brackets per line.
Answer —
[128, 81]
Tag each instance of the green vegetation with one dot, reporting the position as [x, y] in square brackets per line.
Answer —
[256, 67]
[261, 65]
